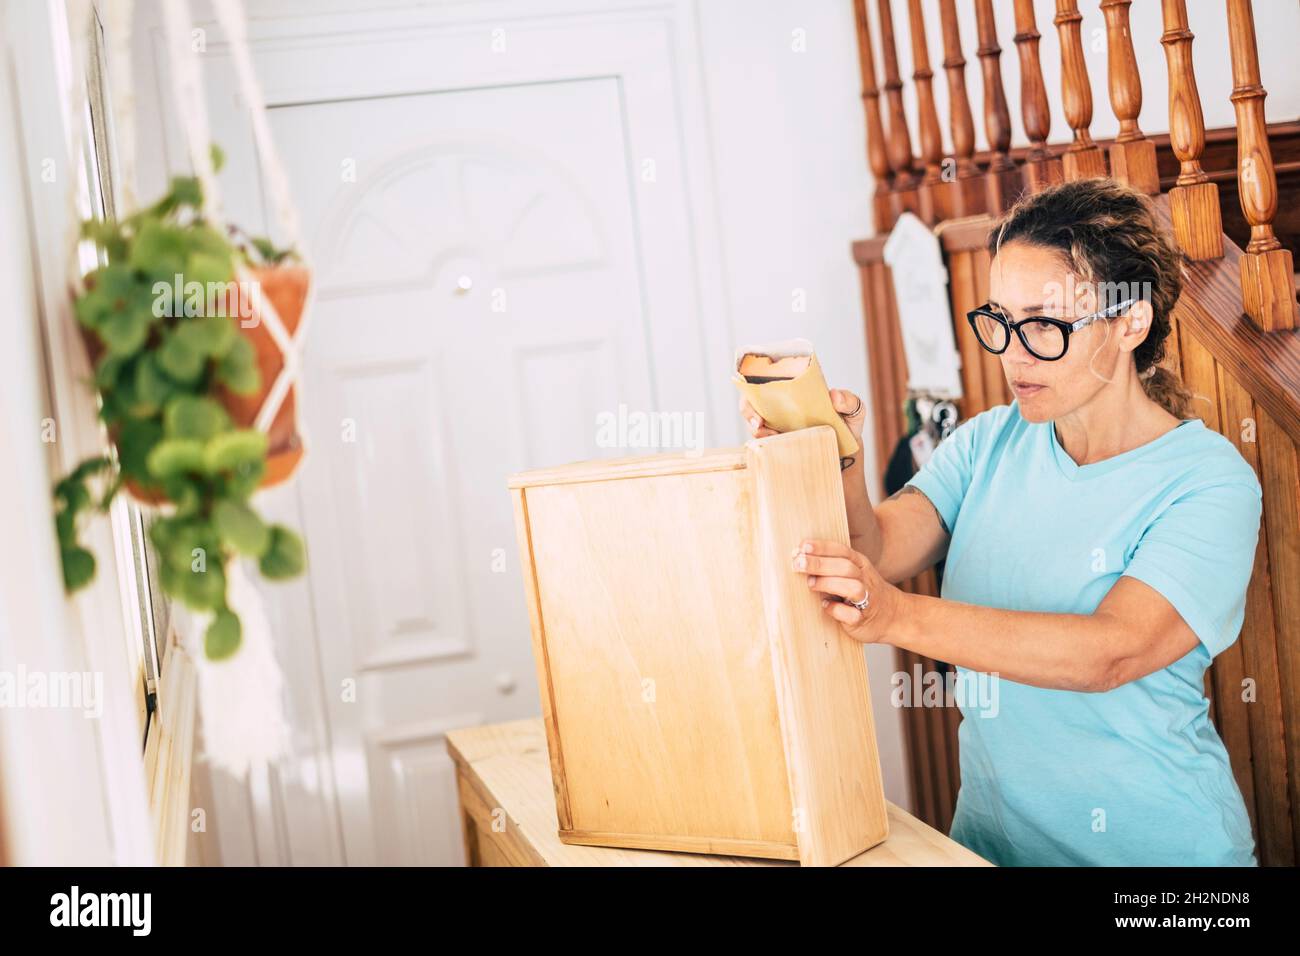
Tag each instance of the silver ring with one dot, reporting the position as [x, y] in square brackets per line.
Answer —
[862, 605]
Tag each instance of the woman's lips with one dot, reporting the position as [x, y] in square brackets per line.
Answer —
[1024, 391]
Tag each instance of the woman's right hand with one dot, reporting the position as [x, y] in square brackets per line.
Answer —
[842, 400]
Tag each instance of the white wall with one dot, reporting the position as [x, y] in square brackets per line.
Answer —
[72, 789]
[794, 191]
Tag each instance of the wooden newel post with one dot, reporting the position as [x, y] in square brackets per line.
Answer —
[1194, 200]
[1003, 178]
[1267, 271]
[1084, 158]
[1133, 156]
[883, 210]
[1041, 167]
[970, 196]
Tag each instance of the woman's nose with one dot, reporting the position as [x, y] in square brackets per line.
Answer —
[1016, 353]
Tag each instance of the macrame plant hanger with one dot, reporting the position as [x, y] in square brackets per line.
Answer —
[194, 123]
[230, 14]
[241, 699]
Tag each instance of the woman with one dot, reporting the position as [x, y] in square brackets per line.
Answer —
[1098, 542]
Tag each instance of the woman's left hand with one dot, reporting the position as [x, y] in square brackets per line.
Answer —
[838, 572]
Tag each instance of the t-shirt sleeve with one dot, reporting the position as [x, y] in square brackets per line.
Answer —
[1199, 553]
[946, 474]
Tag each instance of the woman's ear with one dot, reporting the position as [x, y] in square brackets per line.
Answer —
[1139, 318]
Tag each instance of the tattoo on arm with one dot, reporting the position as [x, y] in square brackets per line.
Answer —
[912, 489]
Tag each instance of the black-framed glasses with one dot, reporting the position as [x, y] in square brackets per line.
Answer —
[1042, 336]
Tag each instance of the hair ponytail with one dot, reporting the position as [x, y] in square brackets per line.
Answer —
[1165, 389]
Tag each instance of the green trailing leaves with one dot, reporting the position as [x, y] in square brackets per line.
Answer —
[72, 498]
[179, 359]
[150, 387]
[174, 457]
[238, 369]
[234, 451]
[78, 567]
[167, 349]
[189, 416]
[123, 332]
[223, 636]
[285, 557]
[212, 335]
[241, 528]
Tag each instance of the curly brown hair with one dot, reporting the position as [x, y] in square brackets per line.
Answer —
[1107, 234]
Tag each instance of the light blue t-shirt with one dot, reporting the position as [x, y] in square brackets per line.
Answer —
[1136, 776]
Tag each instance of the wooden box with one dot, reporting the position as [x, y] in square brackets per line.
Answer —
[695, 695]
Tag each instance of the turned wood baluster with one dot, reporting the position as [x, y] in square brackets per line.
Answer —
[1267, 271]
[931, 139]
[969, 194]
[1041, 167]
[1003, 177]
[1194, 200]
[906, 181]
[1132, 156]
[883, 210]
[1084, 158]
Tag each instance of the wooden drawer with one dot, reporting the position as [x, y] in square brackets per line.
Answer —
[695, 695]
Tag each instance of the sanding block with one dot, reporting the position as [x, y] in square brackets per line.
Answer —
[785, 385]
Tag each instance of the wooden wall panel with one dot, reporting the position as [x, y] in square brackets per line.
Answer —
[1227, 709]
[1266, 752]
[963, 295]
[1280, 478]
[930, 732]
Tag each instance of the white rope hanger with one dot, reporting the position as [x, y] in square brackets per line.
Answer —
[79, 14]
[241, 699]
[230, 14]
[117, 28]
[194, 122]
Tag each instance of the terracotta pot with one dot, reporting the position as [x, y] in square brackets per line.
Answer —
[286, 288]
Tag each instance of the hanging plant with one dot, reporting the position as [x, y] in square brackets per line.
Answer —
[183, 365]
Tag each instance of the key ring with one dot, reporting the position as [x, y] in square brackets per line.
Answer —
[944, 414]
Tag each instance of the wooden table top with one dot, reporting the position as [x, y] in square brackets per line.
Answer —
[508, 765]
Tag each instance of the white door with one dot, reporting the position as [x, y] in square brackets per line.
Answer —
[423, 398]
[496, 269]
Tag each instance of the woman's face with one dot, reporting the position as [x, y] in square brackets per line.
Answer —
[1026, 280]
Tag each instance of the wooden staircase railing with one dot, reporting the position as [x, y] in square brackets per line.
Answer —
[1236, 337]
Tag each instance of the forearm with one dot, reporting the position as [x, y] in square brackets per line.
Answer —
[864, 527]
[1057, 651]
